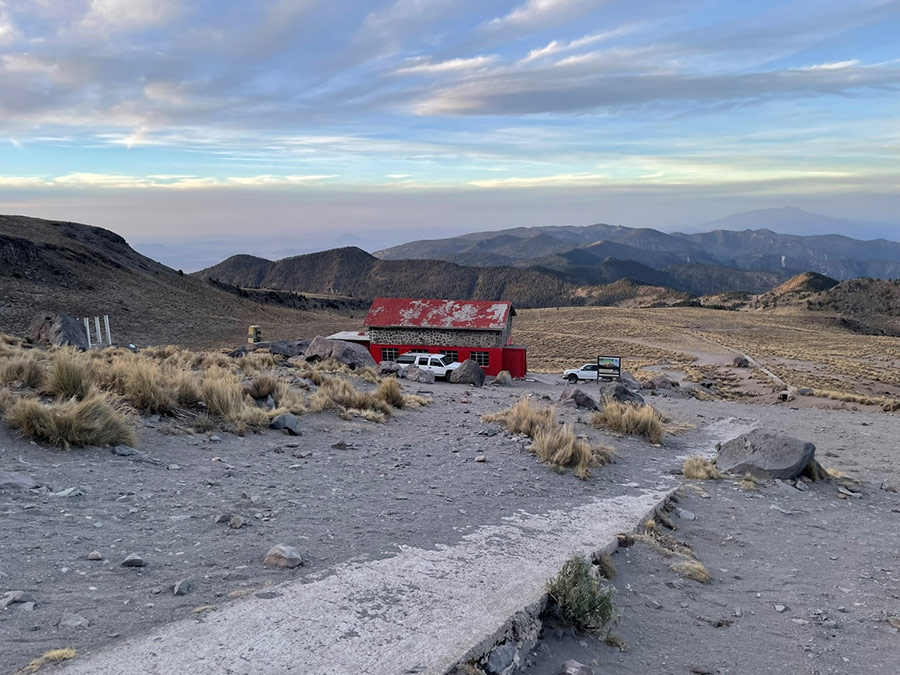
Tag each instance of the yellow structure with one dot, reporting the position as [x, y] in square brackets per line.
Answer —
[253, 334]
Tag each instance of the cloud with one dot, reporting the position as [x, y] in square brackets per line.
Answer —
[542, 13]
[451, 65]
[579, 84]
[90, 180]
[557, 47]
[128, 15]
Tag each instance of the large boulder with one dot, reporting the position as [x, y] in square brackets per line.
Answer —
[468, 372]
[351, 354]
[389, 368]
[287, 348]
[416, 374]
[617, 391]
[765, 454]
[629, 381]
[574, 397]
[59, 329]
[503, 379]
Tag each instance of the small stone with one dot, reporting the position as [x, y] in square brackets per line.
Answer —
[800, 485]
[887, 486]
[236, 523]
[684, 514]
[25, 607]
[800, 622]
[480, 458]
[173, 467]
[215, 439]
[223, 517]
[848, 493]
[133, 560]
[780, 608]
[16, 481]
[72, 620]
[572, 667]
[288, 422]
[94, 555]
[894, 621]
[283, 556]
[340, 445]
[500, 659]
[123, 451]
[183, 587]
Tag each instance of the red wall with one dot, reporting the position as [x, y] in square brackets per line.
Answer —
[500, 358]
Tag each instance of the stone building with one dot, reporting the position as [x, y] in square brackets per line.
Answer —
[477, 329]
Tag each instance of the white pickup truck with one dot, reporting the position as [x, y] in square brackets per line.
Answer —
[587, 372]
[438, 364]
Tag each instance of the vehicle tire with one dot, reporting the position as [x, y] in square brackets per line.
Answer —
[573, 379]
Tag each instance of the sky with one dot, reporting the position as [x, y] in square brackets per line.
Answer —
[292, 125]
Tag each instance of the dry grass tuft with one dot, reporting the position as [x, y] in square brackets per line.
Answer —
[70, 376]
[391, 393]
[143, 386]
[692, 569]
[815, 472]
[25, 369]
[340, 396]
[6, 400]
[606, 565]
[700, 468]
[631, 419]
[92, 421]
[262, 386]
[523, 418]
[748, 482]
[558, 446]
[52, 656]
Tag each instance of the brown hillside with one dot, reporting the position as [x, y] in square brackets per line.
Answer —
[82, 270]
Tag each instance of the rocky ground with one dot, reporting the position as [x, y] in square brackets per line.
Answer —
[354, 489]
[802, 581]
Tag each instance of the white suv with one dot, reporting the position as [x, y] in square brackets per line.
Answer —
[587, 372]
[438, 364]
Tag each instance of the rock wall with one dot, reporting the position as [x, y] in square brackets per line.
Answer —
[439, 337]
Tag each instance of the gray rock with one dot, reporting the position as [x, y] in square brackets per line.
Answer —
[574, 397]
[351, 354]
[288, 348]
[283, 556]
[215, 439]
[25, 607]
[14, 597]
[684, 514]
[503, 379]
[572, 667]
[223, 518]
[800, 485]
[416, 374]
[12, 480]
[236, 523]
[59, 329]
[94, 555]
[72, 620]
[629, 381]
[183, 587]
[741, 362]
[500, 659]
[617, 391]
[133, 560]
[288, 422]
[804, 391]
[480, 458]
[123, 451]
[468, 372]
[780, 609]
[887, 486]
[389, 368]
[764, 454]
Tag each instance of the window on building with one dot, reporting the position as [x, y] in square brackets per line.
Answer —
[389, 353]
[483, 359]
[451, 354]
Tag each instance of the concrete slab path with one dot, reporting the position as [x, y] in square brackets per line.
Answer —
[417, 612]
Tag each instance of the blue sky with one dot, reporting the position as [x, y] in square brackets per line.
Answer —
[313, 122]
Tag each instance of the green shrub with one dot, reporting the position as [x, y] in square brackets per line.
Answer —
[579, 599]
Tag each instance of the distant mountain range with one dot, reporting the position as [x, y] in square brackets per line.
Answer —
[688, 258]
[571, 265]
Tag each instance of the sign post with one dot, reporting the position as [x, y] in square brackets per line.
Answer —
[609, 367]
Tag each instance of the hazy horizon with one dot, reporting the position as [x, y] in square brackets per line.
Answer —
[317, 123]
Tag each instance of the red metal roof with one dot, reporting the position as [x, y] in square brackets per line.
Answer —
[431, 313]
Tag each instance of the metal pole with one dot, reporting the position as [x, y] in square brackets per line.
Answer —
[106, 322]
[99, 334]
[87, 331]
